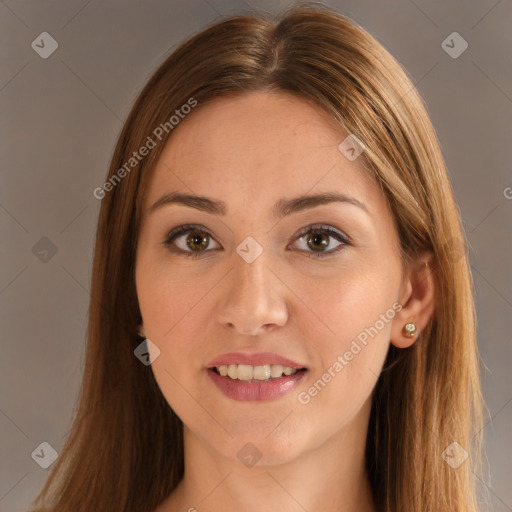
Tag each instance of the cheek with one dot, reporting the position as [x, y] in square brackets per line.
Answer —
[167, 307]
[164, 303]
[351, 334]
[166, 298]
[342, 306]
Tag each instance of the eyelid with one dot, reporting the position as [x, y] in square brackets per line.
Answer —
[185, 228]
[324, 227]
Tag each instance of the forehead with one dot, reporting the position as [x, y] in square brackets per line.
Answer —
[256, 148]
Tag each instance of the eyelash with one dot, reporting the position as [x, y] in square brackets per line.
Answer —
[314, 229]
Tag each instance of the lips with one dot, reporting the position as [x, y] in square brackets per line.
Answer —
[256, 359]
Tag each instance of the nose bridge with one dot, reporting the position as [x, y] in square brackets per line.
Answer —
[250, 279]
[252, 298]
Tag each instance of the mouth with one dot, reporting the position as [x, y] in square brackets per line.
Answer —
[266, 382]
[255, 376]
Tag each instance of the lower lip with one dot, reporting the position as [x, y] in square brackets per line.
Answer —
[264, 390]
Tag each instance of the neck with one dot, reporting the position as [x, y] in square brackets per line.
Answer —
[329, 477]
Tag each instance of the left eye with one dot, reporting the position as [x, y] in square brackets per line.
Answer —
[198, 240]
[317, 238]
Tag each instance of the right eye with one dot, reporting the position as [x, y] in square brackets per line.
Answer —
[197, 237]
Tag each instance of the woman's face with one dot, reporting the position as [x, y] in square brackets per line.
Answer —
[254, 279]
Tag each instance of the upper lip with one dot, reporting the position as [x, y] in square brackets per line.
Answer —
[257, 359]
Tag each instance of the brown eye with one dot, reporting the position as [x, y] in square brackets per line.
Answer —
[195, 243]
[317, 241]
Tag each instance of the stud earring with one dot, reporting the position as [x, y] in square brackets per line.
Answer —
[141, 334]
[410, 329]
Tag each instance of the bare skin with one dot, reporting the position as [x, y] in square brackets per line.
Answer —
[250, 152]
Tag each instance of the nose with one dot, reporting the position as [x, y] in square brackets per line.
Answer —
[253, 298]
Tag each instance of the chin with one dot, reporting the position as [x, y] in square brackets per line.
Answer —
[264, 449]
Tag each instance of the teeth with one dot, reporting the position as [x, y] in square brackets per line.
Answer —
[248, 372]
[276, 370]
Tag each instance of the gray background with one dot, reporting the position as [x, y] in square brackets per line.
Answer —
[60, 117]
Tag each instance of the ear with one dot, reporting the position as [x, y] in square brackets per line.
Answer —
[140, 326]
[417, 300]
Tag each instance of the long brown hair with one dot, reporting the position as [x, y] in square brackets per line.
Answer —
[125, 449]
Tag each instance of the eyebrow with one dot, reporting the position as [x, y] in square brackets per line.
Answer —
[282, 208]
